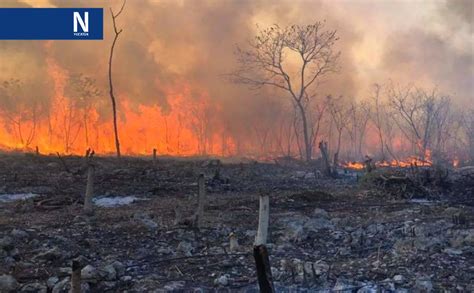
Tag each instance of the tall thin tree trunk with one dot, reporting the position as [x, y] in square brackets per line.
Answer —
[112, 96]
[336, 154]
[381, 144]
[86, 130]
[307, 142]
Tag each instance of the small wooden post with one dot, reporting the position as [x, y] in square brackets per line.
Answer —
[233, 242]
[88, 205]
[154, 156]
[201, 200]
[37, 151]
[263, 218]
[76, 277]
[260, 252]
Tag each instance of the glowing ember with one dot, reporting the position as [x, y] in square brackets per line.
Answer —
[354, 165]
[456, 162]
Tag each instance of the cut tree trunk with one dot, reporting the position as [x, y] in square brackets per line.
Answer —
[260, 252]
[76, 277]
[307, 141]
[263, 218]
[323, 147]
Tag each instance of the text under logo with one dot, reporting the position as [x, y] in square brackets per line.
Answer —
[83, 22]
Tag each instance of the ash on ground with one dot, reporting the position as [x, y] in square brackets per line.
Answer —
[354, 233]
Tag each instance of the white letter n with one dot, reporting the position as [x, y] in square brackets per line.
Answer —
[84, 24]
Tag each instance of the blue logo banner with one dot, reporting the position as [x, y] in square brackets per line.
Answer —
[51, 23]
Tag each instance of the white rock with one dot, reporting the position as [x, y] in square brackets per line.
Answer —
[399, 279]
[343, 285]
[452, 251]
[114, 201]
[320, 213]
[6, 243]
[174, 285]
[300, 174]
[52, 281]
[19, 234]
[146, 220]
[185, 248]
[424, 284]
[320, 267]
[34, 287]
[368, 289]
[8, 283]
[309, 175]
[119, 268]
[4, 198]
[222, 281]
[89, 272]
[61, 286]
[109, 272]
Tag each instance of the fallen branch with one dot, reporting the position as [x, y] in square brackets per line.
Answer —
[186, 257]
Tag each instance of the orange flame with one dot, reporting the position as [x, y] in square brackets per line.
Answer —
[354, 165]
[187, 128]
[405, 163]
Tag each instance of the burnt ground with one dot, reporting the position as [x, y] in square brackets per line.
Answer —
[325, 234]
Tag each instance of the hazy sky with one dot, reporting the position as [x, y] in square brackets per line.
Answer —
[167, 45]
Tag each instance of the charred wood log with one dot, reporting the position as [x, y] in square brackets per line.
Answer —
[323, 147]
[76, 277]
[264, 272]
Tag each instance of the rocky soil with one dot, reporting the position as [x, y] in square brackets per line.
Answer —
[344, 235]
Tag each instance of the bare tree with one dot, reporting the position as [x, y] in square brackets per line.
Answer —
[377, 116]
[340, 117]
[112, 96]
[358, 116]
[318, 111]
[415, 113]
[285, 134]
[467, 124]
[70, 122]
[21, 114]
[443, 124]
[83, 90]
[201, 119]
[274, 54]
